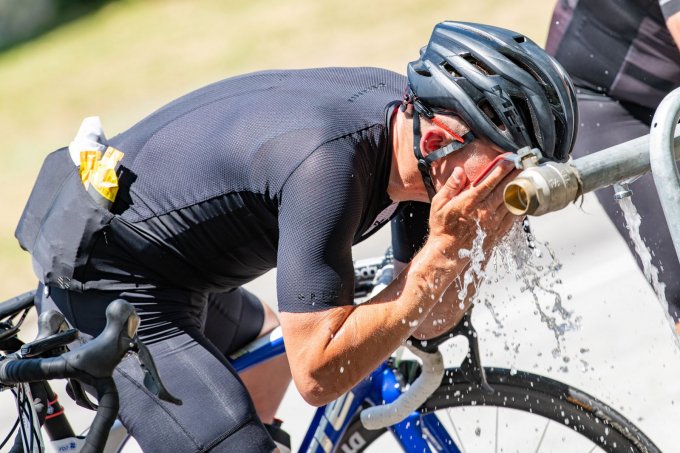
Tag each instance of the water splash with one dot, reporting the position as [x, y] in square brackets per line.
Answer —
[650, 271]
[534, 264]
[474, 272]
[530, 262]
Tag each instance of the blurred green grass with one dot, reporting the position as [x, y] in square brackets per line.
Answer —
[130, 57]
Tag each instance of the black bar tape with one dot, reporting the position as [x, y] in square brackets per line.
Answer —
[106, 415]
[32, 370]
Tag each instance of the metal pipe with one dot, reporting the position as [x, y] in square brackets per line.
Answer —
[664, 169]
[553, 186]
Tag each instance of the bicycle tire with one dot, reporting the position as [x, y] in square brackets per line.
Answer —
[545, 397]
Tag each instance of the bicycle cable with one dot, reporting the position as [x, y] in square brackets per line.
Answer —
[11, 431]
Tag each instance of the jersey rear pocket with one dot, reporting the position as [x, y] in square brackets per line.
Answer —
[60, 223]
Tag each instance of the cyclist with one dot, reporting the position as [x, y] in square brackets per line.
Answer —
[623, 56]
[289, 169]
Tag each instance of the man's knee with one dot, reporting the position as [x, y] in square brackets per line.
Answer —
[270, 322]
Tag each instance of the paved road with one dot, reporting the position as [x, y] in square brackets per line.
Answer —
[623, 352]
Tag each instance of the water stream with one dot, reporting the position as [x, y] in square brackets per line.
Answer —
[650, 271]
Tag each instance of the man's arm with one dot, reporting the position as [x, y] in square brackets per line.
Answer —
[448, 312]
[673, 24]
[332, 350]
[671, 11]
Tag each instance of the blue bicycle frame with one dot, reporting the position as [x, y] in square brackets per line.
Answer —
[417, 433]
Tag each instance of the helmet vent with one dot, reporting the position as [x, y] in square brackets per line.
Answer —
[549, 89]
[450, 69]
[520, 39]
[421, 69]
[479, 65]
[529, 120]
[485, 106]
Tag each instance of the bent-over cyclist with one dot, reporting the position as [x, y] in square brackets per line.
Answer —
[287, 170]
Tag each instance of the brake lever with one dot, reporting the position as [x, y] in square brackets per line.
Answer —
[152, 380]
[75, 390]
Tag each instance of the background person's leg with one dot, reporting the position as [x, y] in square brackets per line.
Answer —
[604, 123]
[233, 320]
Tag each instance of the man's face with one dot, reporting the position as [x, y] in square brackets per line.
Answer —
[473, 159]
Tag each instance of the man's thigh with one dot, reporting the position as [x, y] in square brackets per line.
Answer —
[216, 412]
[233, 319]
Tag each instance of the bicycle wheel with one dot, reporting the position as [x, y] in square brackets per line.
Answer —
[525, 413]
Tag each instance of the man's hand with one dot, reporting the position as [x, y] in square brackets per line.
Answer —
[456, 212]
[454, 216]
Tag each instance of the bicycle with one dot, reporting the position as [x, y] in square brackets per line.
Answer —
[26, 371]
[421, 404]
[403, 398]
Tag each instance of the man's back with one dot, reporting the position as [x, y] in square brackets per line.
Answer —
[238, 156]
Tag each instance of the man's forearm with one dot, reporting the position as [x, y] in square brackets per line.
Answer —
[448, 312]
[673, 24]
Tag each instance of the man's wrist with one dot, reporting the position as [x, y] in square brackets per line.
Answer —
[438, 264]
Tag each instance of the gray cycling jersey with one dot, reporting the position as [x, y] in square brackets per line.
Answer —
[283, 169]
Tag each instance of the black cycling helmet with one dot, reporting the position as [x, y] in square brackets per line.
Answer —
[503, 85]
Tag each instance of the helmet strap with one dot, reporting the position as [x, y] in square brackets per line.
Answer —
[425, 162]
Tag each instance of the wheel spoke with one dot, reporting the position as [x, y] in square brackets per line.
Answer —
[496, 447]
[540, 442]
[455, 430]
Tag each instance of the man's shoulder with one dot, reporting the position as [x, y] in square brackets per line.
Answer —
[350, 84]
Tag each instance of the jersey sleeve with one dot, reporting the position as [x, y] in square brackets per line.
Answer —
[409, 230]
[669, 7]
[320, 211]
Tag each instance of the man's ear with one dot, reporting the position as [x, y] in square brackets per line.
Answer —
[432, 140]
